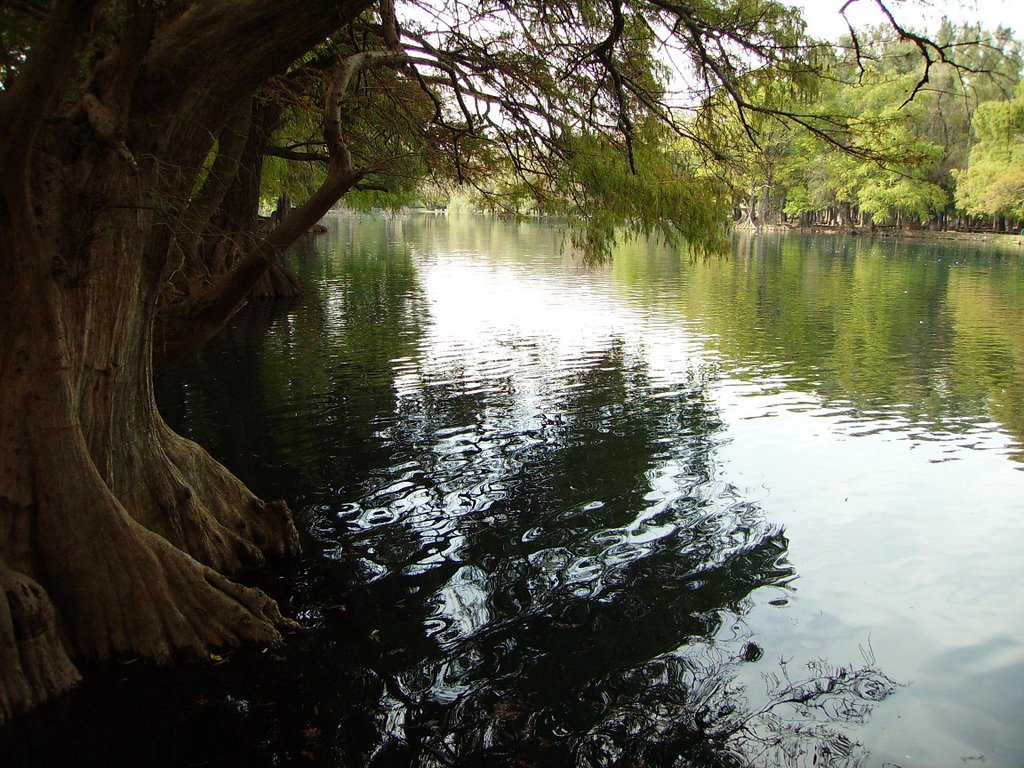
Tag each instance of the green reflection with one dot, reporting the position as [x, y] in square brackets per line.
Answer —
[927, 333]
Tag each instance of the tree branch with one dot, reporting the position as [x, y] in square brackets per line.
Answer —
[179, 333]
[230, 147]
[218, 51]
[301, 157]
[389, 25]
[207, 313]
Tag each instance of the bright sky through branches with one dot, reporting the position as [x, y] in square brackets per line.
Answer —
[824, 20]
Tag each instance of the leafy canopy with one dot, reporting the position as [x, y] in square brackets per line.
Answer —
[993, 183]
[610, 114]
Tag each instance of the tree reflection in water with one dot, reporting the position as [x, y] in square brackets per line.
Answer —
[539, 559]
[576, 577]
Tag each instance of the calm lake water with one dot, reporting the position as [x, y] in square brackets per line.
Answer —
[760, 510]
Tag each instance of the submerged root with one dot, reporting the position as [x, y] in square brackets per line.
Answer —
[277, 282]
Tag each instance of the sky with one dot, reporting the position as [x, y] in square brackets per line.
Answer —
[824, 20]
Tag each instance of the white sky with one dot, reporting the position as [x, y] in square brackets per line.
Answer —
[823, 17]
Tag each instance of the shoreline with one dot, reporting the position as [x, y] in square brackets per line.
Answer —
[997, 238]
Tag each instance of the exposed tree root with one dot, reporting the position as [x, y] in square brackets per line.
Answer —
[125, 591]
[33, 663]
[267, 525]
[176, 489]
[100, 584]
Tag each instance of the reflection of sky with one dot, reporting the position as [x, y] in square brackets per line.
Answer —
[491, 320]
[492, 323]
[894, 543]
[494, 320]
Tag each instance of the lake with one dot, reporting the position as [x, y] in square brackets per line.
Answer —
[765, 509]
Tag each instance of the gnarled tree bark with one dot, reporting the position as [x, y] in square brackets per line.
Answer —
[117, 536]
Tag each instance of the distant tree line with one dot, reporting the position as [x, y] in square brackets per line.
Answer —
[950, 157]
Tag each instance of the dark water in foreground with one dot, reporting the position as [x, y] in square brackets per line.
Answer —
[766, 510]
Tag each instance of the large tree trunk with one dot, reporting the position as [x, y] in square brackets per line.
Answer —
[238, 217]
[114, 531]
[222, 224]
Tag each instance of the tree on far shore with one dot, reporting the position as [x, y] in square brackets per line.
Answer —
[992, 185]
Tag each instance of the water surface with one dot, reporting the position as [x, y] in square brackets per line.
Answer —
[765, 510]
[585, 512]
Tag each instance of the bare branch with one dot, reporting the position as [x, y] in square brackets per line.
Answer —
[301, 157]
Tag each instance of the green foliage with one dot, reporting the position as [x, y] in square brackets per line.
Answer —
[387, 200]
[809, 178]
[894, 187]
[568, 109]
[298, 129]
[993, 183]
[603, 198]
[294, 180]
[564, 109]
[904, 143]
[884, 197]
